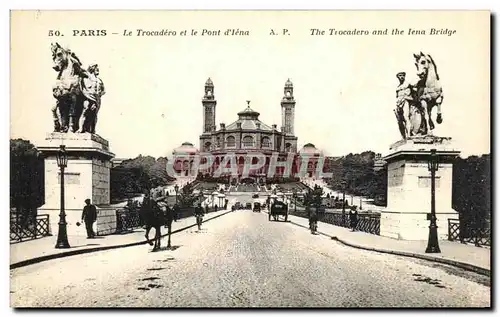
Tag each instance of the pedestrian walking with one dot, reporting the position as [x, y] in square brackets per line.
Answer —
[313, 219]
[89, 216]
[353, 218]
[176, 212]
[198, 213]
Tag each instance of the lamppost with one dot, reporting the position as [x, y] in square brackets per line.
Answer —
[62, 235]
[176, 188]
[343, 202]
[433, 244]
[295, 200]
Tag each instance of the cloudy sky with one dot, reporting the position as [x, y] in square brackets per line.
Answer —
[344, 85]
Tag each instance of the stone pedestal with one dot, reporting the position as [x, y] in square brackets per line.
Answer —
[86, 176]
[409, 188]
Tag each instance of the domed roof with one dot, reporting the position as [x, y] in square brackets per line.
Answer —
[288, 83]
[185, 148]
[209, 82]
[309, 148]
[248, 119]
[249, 112]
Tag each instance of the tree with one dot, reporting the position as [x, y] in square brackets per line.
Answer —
[472, 189]
[187, 198]
[26, 177]
[138, 175]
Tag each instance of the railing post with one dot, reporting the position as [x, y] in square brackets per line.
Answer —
[36, 225]
[449, 230]
[49, 228]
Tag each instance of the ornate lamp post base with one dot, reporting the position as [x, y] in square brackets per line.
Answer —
[62, 244]
[433, 244]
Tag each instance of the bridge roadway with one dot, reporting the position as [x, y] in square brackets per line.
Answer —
[243, 260]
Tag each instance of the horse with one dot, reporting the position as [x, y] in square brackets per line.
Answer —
[67, 89]
[430, 92]
[155, 216]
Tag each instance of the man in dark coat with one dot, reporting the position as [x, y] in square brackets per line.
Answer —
[313, 217]
[353, 218]
[89, 216]
[176, 211]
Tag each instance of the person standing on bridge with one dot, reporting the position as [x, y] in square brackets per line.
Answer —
[198, 213]
[89, 216]
[176, 212]
[353, 218]
[313, 219]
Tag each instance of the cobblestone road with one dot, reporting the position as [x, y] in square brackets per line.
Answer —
[243, 260]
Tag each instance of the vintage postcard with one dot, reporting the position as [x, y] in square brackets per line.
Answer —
[320, 159]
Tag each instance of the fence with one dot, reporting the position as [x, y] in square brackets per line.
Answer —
[366, 222]
[129, 219]
[29, 228]
[464, 232]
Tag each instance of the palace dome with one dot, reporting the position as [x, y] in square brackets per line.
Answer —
[309, 148]
[248, 119]
[185, 148]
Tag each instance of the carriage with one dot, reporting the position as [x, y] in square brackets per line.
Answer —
[278, 209]
[256, 207]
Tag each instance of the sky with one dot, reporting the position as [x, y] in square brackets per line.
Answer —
[344, 86]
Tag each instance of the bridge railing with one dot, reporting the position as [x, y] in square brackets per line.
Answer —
[129, 219]
[29, 228]
[369, 223]
[464, 232]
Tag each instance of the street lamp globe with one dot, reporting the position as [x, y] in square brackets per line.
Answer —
[62, 157]
[433, 164]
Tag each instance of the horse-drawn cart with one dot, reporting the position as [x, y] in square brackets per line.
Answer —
[278, 209]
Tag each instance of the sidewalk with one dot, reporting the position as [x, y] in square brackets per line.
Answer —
[44, 248]
[466, 256]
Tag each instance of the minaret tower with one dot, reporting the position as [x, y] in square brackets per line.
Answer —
[288, 109]
[209, 104]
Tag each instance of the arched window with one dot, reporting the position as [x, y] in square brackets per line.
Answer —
[217, 143]
[248, 141]
[230, 141]
[288, 147]
[266, 142]
[208, 146]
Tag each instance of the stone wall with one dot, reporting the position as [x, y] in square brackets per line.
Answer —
[413, 226]
[106, 221]
[100, 181]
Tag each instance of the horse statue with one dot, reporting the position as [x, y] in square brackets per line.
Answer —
[155, 214]
[75, 90]
[429, 90]
[415, 99]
